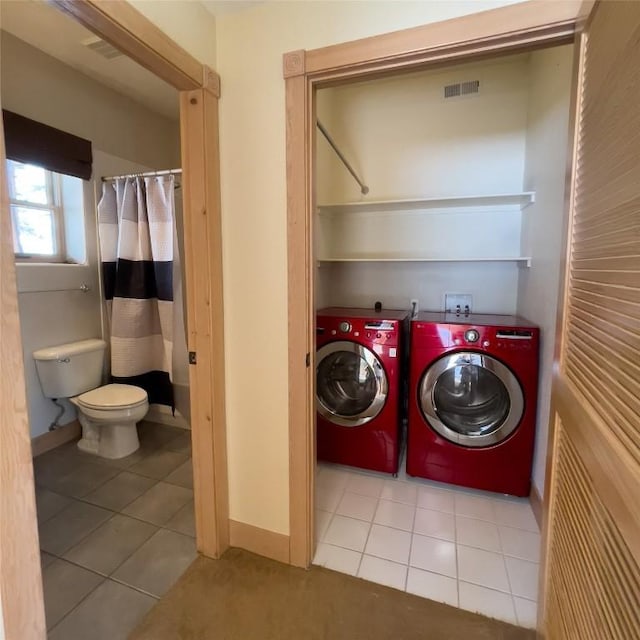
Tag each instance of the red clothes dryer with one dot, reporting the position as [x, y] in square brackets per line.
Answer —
[359, 386]
[472, 400]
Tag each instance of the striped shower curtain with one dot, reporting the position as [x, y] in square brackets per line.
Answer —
[136, 229]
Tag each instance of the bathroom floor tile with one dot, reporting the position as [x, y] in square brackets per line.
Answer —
[365, 485]
[49, 503]
[526, 612]
[515, 513]
[71, 525]
[159, 464]
[81, 479]
[64, 585]
[520, 544]
[481, 567]
[488, 602]
[46, 559]
[184, 520]
[158, 563]
[398, 491]
[380, 571]
[328, 497]
[523, 576]
[432, 554]
[395, 514]
[181, 443]
[435, 499]
[390, 544]
[120, 491]
[356, 506]
[331, 478]
[182, 476]
[433, 586]
[472, 506]
[477, 533]
[104, 550]
[111, 612]
[153, 435]
[337, 558]
[322, 520]
[347, 532]
[159, 504]
[436, 524]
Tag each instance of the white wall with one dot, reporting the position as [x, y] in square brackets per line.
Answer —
[407, 141]
[187, 23]
[250, 45]
[42, 88]
[545, 171]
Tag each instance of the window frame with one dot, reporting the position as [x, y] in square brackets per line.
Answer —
[54, 204]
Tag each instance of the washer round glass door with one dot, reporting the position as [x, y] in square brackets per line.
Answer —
[471, 399]
[351, 385]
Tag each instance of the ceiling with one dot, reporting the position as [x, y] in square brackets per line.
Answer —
[51, 31]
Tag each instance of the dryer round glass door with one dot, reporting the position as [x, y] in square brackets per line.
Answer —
[351, 385]
[471, 399]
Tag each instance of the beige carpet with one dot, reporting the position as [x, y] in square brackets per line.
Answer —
[247, 597]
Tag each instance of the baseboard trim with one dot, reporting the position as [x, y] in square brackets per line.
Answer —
[52, 439]
[261, 541]
[536, 505]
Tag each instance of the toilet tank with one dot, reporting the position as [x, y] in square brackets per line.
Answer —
[68, 369]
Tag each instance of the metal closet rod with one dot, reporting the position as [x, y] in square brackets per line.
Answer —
[148, 174]
[363, 187]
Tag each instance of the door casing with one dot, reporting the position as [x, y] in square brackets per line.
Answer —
[519, 27]
[20, 575]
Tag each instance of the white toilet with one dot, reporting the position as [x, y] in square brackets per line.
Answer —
[108, 414]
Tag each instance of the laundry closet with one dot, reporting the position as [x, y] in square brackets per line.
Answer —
[464, 170]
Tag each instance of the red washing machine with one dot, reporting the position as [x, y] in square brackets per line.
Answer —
[360, 366]
[472, 400]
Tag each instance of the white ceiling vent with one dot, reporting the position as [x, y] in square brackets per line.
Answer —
[102, 48]
[462, 89]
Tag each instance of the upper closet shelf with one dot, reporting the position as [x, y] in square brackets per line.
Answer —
[522, 200]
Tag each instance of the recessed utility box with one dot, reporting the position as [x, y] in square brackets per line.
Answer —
[458, 303]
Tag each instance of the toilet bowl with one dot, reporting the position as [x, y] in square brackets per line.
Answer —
[107, 413]
[108, 416]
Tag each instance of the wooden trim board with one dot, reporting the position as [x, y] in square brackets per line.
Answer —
[205, 316]
[519, 27]
[261, 541]
[52, 439]
[20, 573]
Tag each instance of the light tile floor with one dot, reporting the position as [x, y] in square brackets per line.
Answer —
[115, 534]
[471, 549]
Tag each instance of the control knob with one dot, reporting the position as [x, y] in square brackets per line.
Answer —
[471, 335]
[345, 326]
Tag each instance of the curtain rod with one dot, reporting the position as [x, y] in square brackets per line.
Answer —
[148, 174]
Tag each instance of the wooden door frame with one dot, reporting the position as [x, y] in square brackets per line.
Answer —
[128, 30]
[518, 27]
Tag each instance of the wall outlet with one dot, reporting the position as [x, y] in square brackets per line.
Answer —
[415, 307]
[458, 303]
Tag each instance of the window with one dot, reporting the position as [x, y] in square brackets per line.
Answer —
[38, 199]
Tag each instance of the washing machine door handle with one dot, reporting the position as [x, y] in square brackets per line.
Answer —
[351, 383]
[471, 399]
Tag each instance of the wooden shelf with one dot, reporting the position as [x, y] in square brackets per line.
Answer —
[521, 200]
[524, 260]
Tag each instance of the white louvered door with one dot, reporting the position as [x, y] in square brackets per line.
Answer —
[592, 566]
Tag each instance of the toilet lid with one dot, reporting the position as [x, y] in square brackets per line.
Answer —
[113, 396]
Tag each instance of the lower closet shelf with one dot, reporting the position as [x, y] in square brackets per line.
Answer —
[522, 260]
